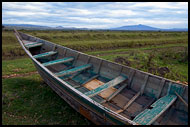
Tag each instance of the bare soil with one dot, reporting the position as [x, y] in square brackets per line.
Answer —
[18, 75]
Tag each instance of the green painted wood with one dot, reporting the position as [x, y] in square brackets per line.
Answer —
[175, 88]
[64, 60]
[31, 45]
[122, 87]
[107, 85]
[44, 54]
[73, 70]
[148, 116]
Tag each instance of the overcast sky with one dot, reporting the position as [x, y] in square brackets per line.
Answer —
[97, 14]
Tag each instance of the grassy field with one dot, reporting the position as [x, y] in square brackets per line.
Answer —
[28, 100]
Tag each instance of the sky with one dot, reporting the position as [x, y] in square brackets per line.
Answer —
[97, 14]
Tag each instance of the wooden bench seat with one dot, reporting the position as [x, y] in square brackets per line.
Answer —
[73, 70]
[64, 60]
[34, 44]
[44, 54]
[107, 85]
[148, 116]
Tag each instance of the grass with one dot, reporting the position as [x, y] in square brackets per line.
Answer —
[17, 66]
[139, 59]
[94, 40]
[27, 100]
[123, 50]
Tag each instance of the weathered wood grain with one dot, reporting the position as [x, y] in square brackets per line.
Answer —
[181, 99]
[93, 84]
[148, 116]
[44, 54]
[122, 87]
[64, 60]
[31, 45]
[144, 84]
[129, 103]
[111, 83]
[73, 70]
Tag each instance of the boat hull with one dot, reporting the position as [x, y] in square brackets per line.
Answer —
[88, 110]
[151, 86]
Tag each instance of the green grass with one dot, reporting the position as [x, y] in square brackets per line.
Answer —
[122, 50]
[27, 100]
[138, 59]
[17, 66]
[93, 40]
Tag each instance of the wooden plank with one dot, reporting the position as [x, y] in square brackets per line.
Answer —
[107, 85]
[129, 103]
[99, 67]
[54, 47]
[175, 88]
[27, 43]
[93, 84]
[148, 116]
[71, 76]
[64, 60]
[144, 85]
[93, 77]
[161, 87]
[136, 96]
[119, 100]
[44, 54]
[181, 99]
[121, 88]
[65, 51]
[88, 59]
[76, 58]
[73, 70]
[147, 105]
[31, 45]
[120, 70]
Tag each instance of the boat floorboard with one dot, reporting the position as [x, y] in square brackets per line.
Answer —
[114, 107]
[120, 100]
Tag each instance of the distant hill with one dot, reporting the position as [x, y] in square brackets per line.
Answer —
[176, 29]
[135, 27]
[139, 27]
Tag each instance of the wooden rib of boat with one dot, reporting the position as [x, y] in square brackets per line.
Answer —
[106, 92]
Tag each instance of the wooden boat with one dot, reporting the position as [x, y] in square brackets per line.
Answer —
[106, 92]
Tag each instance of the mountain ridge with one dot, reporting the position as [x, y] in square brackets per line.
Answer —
[138, 27]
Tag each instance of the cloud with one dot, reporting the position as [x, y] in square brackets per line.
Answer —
[96, 14]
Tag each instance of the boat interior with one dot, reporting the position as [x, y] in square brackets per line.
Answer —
[136, 95]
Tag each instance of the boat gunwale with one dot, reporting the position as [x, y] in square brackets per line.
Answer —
[107, 110]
